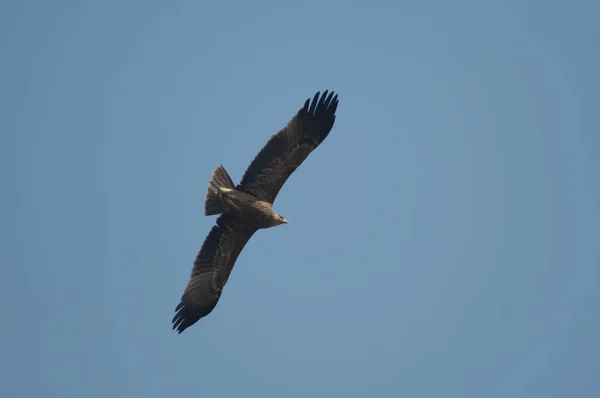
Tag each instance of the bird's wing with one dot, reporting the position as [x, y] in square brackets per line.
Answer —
[287, 149]
[211, 270]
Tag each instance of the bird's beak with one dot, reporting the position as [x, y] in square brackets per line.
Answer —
[285, 221]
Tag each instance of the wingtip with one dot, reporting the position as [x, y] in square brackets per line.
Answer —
[181, 319]
[327, 100]
[188, 314]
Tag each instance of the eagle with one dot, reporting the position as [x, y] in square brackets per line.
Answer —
[247, 207]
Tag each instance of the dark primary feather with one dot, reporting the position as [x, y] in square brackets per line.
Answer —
[211, 270]
[287, 149]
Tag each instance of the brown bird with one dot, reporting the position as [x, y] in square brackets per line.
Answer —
[248, 207]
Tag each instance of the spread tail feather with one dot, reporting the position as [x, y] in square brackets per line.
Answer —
[218, 179]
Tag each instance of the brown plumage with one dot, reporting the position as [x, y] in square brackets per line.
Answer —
[247, 207]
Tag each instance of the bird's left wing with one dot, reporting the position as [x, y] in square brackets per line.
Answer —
[211, 270]
[287, 149]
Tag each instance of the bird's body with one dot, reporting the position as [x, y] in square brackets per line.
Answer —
[248, 207]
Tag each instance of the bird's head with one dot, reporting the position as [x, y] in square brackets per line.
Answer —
[281, 220]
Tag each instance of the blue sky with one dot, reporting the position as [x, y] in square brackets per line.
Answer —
[443, 241]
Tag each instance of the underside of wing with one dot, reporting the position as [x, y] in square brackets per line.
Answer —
[287, 149]
[211, 270]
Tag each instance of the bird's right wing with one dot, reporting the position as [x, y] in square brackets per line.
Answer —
[211, 270]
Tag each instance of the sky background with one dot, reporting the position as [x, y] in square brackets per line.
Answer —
[444, 241]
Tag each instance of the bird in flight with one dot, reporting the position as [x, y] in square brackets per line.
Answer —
[247, 207]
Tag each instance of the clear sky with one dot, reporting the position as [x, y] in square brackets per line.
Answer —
[444, 241]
